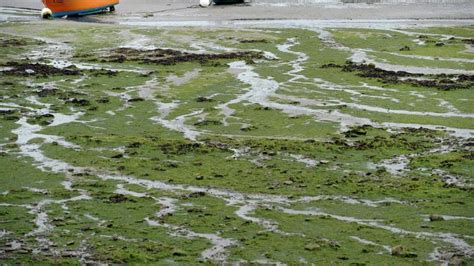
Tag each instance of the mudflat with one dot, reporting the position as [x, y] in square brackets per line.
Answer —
[131, 139]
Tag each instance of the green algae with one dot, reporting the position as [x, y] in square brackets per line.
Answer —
[389, 41]
[262, 150]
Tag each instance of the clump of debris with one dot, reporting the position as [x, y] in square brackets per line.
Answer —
[171, 57]
[439, 81]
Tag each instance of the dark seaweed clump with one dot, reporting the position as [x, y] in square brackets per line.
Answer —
[253, 41]
[118, 198]
[441, 81]
[43, 70]
[180, 148]
[468, 41]
[13, 42]
[172, 57]
[37, 69]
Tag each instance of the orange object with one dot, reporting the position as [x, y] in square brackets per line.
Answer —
[62, 8]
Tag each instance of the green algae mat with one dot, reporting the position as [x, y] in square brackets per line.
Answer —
[183, 146]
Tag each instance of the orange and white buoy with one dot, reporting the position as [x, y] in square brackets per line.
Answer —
[46, 13]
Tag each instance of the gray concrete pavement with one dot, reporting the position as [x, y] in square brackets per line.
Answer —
[178, 10]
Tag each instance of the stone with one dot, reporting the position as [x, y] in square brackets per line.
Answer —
[455, 261]
[398, 250]
[436, 218]
[312, 247]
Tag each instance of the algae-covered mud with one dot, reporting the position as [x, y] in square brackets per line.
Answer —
[132, 144]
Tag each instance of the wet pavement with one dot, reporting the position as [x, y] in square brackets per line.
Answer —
[170, 10]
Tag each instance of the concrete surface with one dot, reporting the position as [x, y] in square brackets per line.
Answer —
[188, 10]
